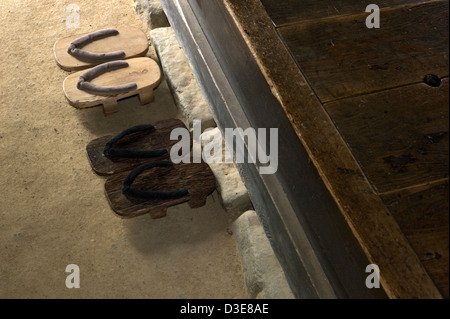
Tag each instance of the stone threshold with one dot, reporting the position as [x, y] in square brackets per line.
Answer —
[263, 273]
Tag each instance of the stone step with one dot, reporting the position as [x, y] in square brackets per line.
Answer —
[186, 92]
[152, 13]
[263, 273]
[232, 190]
[192, 105]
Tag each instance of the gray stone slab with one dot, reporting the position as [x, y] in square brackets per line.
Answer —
[263, 274]
[152, 13]
[187, 94]
[234, 195]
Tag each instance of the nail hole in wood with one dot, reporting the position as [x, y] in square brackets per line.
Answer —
[432, 80]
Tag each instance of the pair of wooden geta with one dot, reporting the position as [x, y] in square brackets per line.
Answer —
[141, 70]
[114, 67]
[197, 179]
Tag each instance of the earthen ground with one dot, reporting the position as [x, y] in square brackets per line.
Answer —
[53, 211]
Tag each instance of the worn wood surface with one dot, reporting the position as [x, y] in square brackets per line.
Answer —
[159, 138]
[284, 12]
[131, 40]
[341, 57]
[413, 43]
[243, 96]
[198, 179]
[422, 213]
[143, 71]
[399, 136]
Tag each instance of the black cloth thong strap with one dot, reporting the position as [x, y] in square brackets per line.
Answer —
[127, 190]
[85, 84]
[112, 153]
[75, 51]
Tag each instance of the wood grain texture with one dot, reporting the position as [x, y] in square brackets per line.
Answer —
[341, 57]
[400, 136]
[379, 235]
[198, 179]
[423, 215]
[131, 40]
[284, 12]
[143, 71]
[159, 138]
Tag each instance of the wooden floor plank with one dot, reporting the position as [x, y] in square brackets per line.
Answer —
[422, 214]
[400, 137]
[341, 57]
[285, 12]
[379, 235]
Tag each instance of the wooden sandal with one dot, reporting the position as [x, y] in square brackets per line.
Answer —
[106, 83]
[83, 51]
[153, 187]
[134, 146]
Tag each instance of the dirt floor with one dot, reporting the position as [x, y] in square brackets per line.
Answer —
[53, 211]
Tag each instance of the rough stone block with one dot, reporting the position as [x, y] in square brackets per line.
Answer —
[232, 190]
[187, 94]
[263, 274]
[152, 13]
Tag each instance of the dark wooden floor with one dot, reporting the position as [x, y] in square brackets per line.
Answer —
[375, 121]
[370, 81]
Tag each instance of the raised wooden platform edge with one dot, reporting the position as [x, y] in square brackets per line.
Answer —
[402, 273]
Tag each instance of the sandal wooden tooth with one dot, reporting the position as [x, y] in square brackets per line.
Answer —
[110, 106]
[146, 96]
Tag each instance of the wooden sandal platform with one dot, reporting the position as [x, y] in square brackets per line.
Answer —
[83, 51]
[134, 146]
[109, 82]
